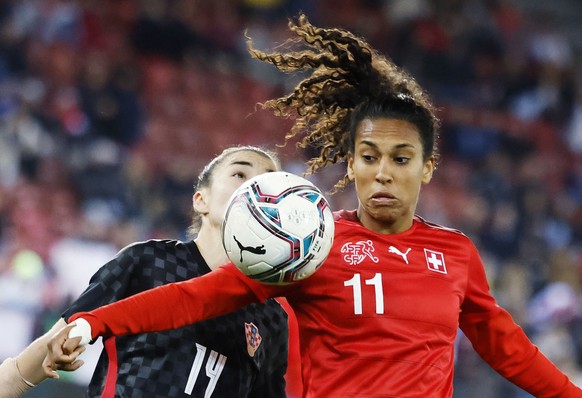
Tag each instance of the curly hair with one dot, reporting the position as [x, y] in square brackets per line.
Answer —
[349, 81]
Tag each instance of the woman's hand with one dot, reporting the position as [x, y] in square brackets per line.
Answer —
[63, 353]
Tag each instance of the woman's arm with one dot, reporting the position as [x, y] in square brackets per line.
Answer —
[20, 374]
[173, 305]
[14, 385]
[504, 345]
[507, 349]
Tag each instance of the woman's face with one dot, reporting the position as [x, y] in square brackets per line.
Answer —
[388, 170]
[237, 168]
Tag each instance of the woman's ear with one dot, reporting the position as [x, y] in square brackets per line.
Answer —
[350, 167]
[199, 202]
[428, 170]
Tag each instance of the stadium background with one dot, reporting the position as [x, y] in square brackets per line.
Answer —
[108, 109]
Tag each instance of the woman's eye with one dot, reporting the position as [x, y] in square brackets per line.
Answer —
[401, 159]
[239, 174]
[368, 158]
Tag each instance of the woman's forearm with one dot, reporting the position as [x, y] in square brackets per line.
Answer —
[170, 306]
[12, 382]
[22, 373]
[30, 360]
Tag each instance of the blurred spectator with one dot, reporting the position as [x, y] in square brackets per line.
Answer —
[109, 108]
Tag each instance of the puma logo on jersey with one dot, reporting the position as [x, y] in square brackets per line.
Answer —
[404, 255]
[250, 249]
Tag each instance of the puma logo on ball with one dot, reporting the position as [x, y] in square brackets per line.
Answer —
[251, 249]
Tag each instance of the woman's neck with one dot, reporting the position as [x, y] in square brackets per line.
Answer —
[210, 246]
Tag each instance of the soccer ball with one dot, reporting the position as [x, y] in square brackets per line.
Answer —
[278, 228]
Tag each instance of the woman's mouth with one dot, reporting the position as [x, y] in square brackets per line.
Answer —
[383, 199]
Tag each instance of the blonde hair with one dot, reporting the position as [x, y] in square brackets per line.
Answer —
[206, 175]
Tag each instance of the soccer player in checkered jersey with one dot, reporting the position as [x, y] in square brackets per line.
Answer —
[242, 354]
[380, 317]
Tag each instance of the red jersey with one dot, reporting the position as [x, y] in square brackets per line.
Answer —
[378, 319]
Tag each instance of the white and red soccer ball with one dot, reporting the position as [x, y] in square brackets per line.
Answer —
[278, 228]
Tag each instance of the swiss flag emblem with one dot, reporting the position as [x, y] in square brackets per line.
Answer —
[435, 261]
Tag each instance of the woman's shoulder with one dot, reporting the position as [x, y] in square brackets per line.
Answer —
[437, 227]
[347, 215]
[441, 232]
[152, 244]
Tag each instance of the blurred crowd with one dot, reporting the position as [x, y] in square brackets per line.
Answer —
[108, 110]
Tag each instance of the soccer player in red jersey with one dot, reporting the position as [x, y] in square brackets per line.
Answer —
[380, 317]
[241, 354]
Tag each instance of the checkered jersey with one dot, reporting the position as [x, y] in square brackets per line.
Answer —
[242, 354]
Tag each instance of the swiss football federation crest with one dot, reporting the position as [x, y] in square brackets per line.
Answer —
[356, 252]
[254, 339]
[435, 261]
